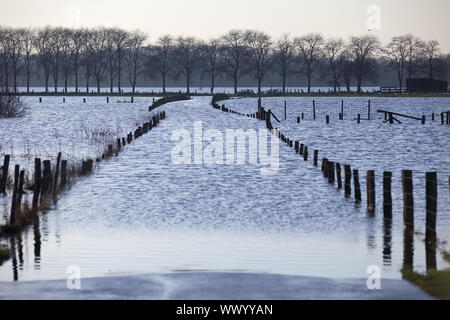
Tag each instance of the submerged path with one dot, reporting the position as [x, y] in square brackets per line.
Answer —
[141, 214]
[213, 286]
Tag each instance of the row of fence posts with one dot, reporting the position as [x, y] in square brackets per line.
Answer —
[332, 172]
[84, 100]
[445, 116]
[46, 183]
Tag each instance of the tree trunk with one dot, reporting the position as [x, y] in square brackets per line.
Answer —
[284, 84]
[188, 80]
[164, 82]
[212, 83]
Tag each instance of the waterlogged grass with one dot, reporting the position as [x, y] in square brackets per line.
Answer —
[435, 282]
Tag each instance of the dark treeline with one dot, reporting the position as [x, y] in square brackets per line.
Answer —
[115, 58]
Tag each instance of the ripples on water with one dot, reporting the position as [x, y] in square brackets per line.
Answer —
[141, 214]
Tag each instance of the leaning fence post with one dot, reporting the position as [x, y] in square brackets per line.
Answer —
[55, 181]
[37, 182]
[46, 178]
[357, 186]
[20, 191]
[408, 198]
[12, 219]
[370, 186]
[5, 170]
[63, 174]
[330, 172]
[338, 175]
[347, 180]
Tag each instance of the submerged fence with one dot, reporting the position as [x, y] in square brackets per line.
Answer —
[49, 181]
[332, 172]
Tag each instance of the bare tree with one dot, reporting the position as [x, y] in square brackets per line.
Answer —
[111, 54]
[134, 57]
[15, 54]
[260, 49]
[334, 54]
[78, 43]
[67, 51]
[396, 52]
[414, 50]
[348, 68]
[364, 49]
[212, 61]
[44, 49]
[27, 39]
[284, 58]
[161, 59]
[56, 46]
[188, 56]
[120, 38]
[97, 44]
[235, 55]
[431, 53]
[311, 53]
[4, 56]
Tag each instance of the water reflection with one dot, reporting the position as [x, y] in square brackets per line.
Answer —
[12, 241]
[387, 242]
[408, 247]
[37, 244]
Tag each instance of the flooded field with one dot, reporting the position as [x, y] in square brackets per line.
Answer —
[140, 213]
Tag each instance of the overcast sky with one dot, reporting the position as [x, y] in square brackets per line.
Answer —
[208, 18]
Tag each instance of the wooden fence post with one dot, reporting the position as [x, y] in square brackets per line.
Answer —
[12, 219]
[58, 163]
[338, 175]
[368, 111]
[305, 154]
[408, 198]
[314, 110]
[325, 167]
[347, 180]
[37, 182]
[46, 178]
[387, 195]
[357, 186]
[316, 157]
[285, 110]
[330, 172]
[5, 170]
[20, 191]
[370, 186]
[63, 174]
[431, 205]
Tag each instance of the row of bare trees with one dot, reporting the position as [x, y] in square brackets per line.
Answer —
[64, 56]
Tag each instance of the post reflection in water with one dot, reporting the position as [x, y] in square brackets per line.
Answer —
[12, 241]
[387, 242]
[37, 244]
[408, 247]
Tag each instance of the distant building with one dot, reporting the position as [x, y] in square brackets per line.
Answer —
[425, 85]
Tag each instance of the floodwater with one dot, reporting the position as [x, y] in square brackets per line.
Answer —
[140, 213]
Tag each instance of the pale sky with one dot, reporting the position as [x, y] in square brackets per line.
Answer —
[428, 19]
